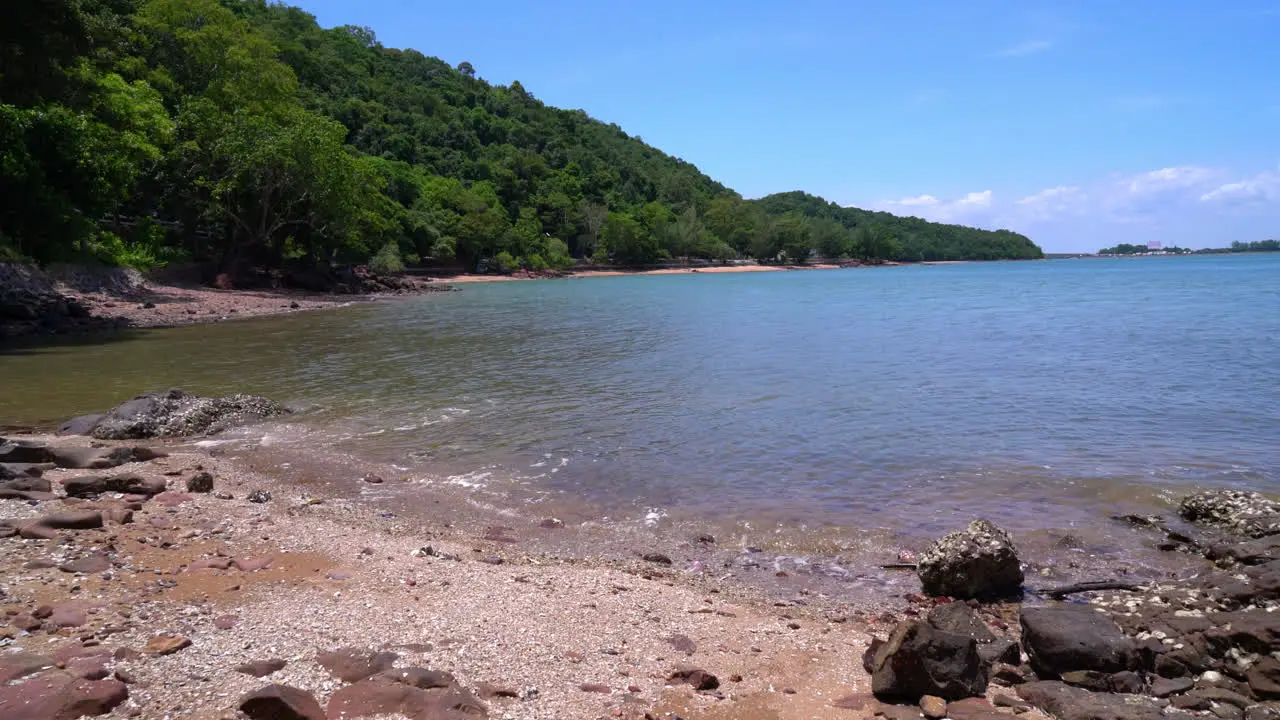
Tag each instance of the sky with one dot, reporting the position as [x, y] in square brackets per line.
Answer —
[1081, 124]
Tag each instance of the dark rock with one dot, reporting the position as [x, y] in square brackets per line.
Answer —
[1062, 638]
[128, 484]
[977, 562]
[9, 471]
[351, 665]
[420, 678]
[27, 484]
[658, 558]
[382, 697]
[261, 668]
[259, 496]
[1264, 678]
[1071, 703]
[869, 655]
[1127, 681]
[958, 618]
[178, 413]
[1008, 675]
[551, 524]
[1221, 695]
[90, 458]
[1255, 632]
[200, 483]
[974, 709]
[225, 622]
[37, 531]
[281, 702]
[1164, 687]
[697, 677]
[82, 425]
[72, 520]
[1000, 650]
[20, 451]
[1239, 511]
[920, 660]
[1257, 551]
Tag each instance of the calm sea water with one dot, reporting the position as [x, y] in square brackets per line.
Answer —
[1039, 394]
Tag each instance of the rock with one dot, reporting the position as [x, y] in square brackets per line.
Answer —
[1254, 632]
[1164, 687]
[1070, 703]
[551, 524]
[166, 644]
[261, 668]
[178, 413]
[82, 425]
[200, 483]
[21, 451]
[27, 483]
[225, 622]
[259, 496]
[171, 499]
[974, 709]
[381, 697]
[90, 458]
[1127, 681]
[933, 707]
[128, 484]
[960, 619]
[91, 564]
[657, 558]
[14, 665]
[352, 665]
[9, 471]
[1008, 674]
[420, 677]
[1264, 678]
[1239, 511]
[91, 668]
[373, 479]
[920, 660]
[977, 562]
[214, 563]
[72, 520]
[683, 643]
[1062, 638]
[252, 564]
[596, 688]
[281, 702]
[60, 696]
[37, 531]
[1088, 679]
[697, 677]
[1000, 650]
[1258, 551]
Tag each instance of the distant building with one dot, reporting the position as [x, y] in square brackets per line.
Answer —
[1153, 245]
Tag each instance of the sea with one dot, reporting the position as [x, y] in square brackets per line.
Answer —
[899, 402]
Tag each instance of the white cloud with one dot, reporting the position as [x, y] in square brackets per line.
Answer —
[921, 200]
[1261, 188]
[1170, 178]
[971, 208]
[1030, 47]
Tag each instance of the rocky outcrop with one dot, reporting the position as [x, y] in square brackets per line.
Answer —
[1065, 702]
[31, 304]
[1237, 511]
[920, 660]
[1065, 638]
[978, 562]
[129, 484]
[178, 413]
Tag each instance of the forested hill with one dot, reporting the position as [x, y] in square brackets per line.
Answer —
[242, 133]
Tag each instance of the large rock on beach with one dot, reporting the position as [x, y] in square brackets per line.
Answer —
[177, 413]
[978, 562]
[1065, 702]
[59, 696]
[94, 485]
[920, 660]
[281, 702]
[1064, 638]
[1237, 511]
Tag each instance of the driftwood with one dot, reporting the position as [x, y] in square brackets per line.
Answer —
[898, 566]
[1060, 592]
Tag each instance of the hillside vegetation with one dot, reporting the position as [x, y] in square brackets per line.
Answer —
[242, 134]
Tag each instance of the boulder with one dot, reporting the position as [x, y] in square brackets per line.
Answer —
[82, 425]
[72, 520]
[281, 702]
[1062, 638]
[176, 413]
[978, 562]
[1256, 551]
[60, 696]
[1241, 512]
[22, 451]
[958, 618]
[920, 660]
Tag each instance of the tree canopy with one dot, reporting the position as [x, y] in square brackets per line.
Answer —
[244, 134]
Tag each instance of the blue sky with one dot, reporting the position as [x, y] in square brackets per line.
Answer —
[1081, 124]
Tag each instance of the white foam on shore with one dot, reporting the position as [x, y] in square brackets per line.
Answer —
[653, 516]
[211, 443]
[474, 479]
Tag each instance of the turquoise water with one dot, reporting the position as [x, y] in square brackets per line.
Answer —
[1039, 392]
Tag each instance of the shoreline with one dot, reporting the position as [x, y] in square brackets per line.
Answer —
[531, 616]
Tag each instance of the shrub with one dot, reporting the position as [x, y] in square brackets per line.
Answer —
[504, 262]
[387, 261]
